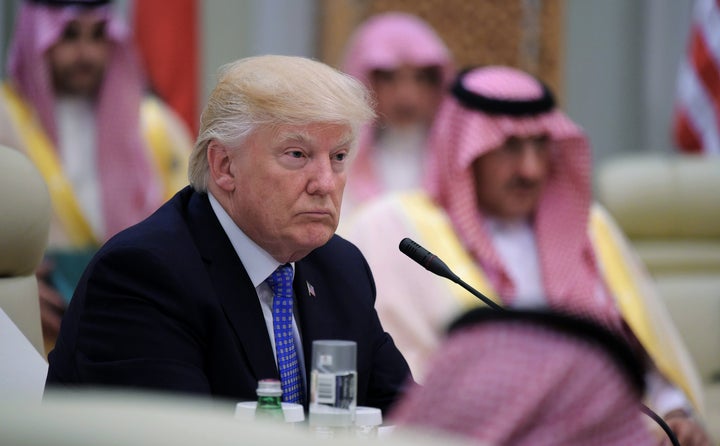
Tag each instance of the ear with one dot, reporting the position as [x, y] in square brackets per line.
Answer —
[220, 164]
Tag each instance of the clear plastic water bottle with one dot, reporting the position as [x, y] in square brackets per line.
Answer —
[269, 403]
[333, 387]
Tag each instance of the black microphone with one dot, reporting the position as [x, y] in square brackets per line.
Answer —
[432, 263]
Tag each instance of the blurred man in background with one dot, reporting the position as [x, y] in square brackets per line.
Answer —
[77, 103]
[407, 66]
[508, 205]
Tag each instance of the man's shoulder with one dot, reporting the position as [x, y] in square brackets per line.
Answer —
[168, 225]
[391, 215]
[600, 220]
[338, 264]
[150, 101]
[336, 246]
[12, 106]
[414, 201]
[336, 254]
[156, 113]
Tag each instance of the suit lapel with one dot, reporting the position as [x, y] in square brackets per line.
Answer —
[314, 308]
[232, 286]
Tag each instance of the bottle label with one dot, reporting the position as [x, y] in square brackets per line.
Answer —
[335, 389]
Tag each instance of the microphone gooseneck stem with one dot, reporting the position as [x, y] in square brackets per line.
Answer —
[663, 425]
[478, 294]
[432, 263]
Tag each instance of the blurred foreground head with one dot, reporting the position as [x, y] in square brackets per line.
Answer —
[531, 378]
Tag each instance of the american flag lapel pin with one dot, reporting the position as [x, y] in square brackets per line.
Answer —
[311, 289]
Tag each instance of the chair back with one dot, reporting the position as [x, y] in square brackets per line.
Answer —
[25, 212]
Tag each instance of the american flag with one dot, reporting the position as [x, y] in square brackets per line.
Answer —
[696, 126]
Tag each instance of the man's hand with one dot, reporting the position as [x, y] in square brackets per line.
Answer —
[687, 430]
[52, 306]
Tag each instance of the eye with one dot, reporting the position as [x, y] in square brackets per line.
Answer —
[541, 139]
[429, 76]
[98, 32]
[340, 157]
[541, 144]
[293, 158]
[71, 32]
[297, 154]
[383, 76]
[513, 146]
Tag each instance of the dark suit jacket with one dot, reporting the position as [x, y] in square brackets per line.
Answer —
[167, 304]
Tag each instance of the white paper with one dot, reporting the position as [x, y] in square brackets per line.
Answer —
[22, 369]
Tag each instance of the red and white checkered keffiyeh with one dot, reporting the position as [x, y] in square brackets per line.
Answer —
[387, 41]
[129, 191]
[460, 135]
[513, 383]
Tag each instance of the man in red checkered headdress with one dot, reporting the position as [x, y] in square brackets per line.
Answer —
[508, 205]
[407, 66]
[78, 105]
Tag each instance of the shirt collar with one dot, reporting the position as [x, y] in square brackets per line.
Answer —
[498, 226]
[258, 263]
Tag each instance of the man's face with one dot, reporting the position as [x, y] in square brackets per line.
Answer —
[407, 96]
[79, 58]
[287, 187]
[509, 181]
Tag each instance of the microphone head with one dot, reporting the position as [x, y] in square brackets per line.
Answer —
[411, 249]
[425, 258]
[432, 263]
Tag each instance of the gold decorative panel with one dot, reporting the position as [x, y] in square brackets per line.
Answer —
[522, 33]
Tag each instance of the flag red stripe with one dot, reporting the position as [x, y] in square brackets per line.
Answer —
[704, 65]
[167, 36]
[684, 133]
[689, 127]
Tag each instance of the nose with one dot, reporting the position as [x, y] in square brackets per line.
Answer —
[89, 49]
[323, 179]
[407, 88]
[533, 162]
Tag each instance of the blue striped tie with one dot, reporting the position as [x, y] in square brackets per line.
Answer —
[282, 309]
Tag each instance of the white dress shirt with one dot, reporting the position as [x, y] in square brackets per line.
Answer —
[515, 243]
[259, 266]
[77, 142]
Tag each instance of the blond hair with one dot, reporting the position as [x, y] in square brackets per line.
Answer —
[266, 91]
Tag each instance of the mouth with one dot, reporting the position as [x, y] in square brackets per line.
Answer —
[524, 194]
[524, 189]
[317, 213]
[523, 186]
[84, 70]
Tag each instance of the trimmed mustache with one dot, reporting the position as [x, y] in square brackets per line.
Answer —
[406, 111]
[83, 67]
[523, 183]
